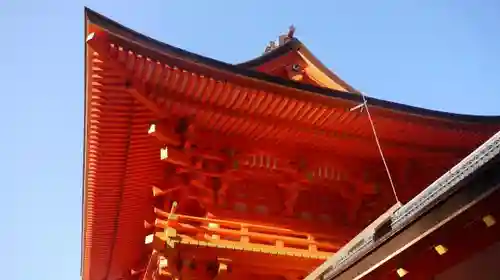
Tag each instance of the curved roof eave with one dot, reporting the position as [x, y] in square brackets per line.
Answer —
[241, 70]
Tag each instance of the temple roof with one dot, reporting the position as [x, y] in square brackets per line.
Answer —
[250, 106]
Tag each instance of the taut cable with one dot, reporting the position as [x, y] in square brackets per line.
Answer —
[377, 141]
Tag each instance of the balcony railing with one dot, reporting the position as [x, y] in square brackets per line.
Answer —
[208, 232]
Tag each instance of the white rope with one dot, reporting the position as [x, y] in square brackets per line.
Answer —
[362, 106]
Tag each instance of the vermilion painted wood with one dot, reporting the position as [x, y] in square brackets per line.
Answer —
[253, 151]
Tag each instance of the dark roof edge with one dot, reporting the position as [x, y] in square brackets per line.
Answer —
[84, 157]
[292, 45]
[155, 45]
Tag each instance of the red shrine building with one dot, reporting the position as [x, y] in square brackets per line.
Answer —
[199, 169]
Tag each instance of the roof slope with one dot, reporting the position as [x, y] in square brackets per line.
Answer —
[120, 161]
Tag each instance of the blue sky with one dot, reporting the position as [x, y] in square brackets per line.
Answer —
[436, 54]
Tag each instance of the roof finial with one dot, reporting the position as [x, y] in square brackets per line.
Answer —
[291, 31]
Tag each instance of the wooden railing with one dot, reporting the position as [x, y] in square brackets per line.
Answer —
[246, 235]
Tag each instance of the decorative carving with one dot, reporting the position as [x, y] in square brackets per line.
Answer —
[282, 39]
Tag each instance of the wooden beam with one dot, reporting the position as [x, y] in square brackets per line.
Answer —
[165, 134]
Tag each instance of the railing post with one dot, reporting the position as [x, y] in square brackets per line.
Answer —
[244, 235]
[311, 247]
[172, 218]
[213, 226]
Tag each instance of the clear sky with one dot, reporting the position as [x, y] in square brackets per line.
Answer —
[436, 54]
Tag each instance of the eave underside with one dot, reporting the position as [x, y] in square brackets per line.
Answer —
[416, 247]
[120, 161]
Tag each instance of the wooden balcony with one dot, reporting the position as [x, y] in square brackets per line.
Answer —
[264, 248]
